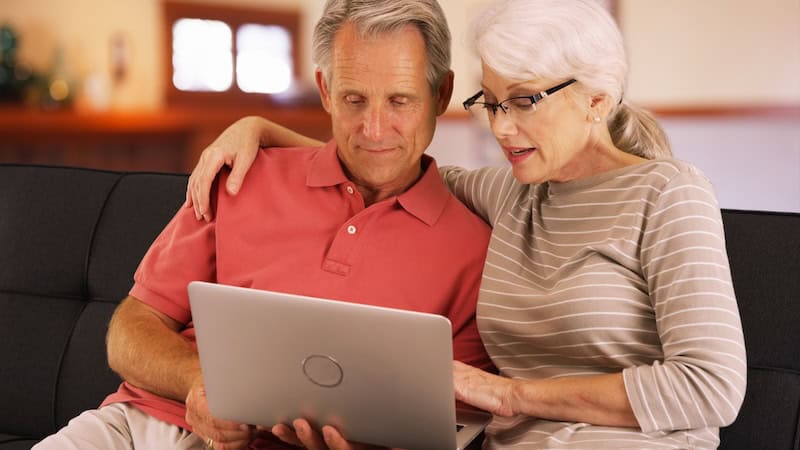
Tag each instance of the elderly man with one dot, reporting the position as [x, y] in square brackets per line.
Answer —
[365, 217]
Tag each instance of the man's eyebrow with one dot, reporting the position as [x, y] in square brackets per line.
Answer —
[412, 94]
[351, 92]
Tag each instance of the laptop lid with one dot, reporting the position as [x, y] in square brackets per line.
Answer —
[382, 376]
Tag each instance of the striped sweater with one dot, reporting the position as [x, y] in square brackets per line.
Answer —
[623, 271]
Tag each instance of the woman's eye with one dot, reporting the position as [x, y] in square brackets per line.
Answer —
[522, 104]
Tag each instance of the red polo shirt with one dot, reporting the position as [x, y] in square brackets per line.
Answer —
[298, 225]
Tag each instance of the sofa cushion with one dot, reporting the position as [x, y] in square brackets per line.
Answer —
[9, 442]
[764, 254]
[70, 240]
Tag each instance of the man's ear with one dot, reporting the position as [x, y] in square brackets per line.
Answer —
[444, 93]
[324, 94]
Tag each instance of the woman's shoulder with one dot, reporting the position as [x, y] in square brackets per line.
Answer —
[669, 167]
[674, 182]
[669, 171]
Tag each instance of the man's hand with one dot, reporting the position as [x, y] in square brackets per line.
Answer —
[304, 436]
[224, 434]
[236, 147]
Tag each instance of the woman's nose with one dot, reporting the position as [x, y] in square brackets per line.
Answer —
[503, 125]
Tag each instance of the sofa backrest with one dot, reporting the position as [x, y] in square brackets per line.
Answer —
[70, 240]
[764, 254]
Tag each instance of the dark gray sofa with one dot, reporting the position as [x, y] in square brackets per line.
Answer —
[71, 238]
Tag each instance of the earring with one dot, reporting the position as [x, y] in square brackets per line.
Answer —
[597, 119]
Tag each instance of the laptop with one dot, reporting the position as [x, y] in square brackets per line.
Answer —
[381, 376]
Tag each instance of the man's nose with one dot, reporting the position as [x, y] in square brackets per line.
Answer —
[374, 121]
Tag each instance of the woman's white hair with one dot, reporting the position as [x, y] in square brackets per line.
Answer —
[563, 39]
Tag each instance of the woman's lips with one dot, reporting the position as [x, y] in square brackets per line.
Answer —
[517, 154]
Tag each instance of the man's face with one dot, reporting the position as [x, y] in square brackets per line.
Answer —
[382, 108]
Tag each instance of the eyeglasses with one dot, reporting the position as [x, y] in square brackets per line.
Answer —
[519, 106]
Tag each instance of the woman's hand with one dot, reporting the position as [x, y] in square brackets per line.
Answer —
[221, 434]
[483, 390]
[236, 148]
[304, 436]
[595, 399]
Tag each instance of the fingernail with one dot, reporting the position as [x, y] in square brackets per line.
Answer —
[233, 188]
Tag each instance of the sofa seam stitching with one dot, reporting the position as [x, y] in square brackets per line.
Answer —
[85, 296]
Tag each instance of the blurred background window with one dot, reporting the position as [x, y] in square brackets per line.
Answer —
[223, 55]
[263, 58]
[202, 58]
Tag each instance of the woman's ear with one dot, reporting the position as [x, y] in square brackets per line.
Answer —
[598, 108]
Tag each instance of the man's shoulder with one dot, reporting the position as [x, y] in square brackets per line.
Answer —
[285, 155]
[280, 162]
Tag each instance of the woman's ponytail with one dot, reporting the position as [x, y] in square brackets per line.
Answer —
[635, 130]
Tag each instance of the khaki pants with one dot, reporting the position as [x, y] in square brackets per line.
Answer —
[119, 426]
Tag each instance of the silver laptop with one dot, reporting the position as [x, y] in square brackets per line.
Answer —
[382, 376]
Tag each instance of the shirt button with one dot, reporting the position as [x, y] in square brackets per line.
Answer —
[350, 189]
[351, 229]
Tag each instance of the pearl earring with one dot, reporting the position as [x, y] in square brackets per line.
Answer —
[597, 119]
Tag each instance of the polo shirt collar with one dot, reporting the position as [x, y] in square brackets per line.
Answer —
[325, 169]
[425, 200]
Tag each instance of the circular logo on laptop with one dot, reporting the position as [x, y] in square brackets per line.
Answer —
[323, 370]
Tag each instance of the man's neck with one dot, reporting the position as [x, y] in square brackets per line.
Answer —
[372, 193]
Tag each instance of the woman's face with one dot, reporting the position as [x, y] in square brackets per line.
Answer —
[546, 145]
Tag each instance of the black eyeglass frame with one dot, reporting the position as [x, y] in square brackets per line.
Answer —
[468, 103]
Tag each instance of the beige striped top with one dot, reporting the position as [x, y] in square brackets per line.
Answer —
[624, 271]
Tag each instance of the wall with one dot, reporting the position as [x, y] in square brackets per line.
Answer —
[719, 52]
[683, 53]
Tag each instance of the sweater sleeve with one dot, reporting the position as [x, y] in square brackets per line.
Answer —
[484, 191]
[701, 380]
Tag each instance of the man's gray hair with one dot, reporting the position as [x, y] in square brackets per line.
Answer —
[376, 17]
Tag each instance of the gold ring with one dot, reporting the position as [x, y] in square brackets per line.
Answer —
[210, 443]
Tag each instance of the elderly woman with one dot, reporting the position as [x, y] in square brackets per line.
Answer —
[606, 301]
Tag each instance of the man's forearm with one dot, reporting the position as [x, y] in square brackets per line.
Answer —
[146, 349]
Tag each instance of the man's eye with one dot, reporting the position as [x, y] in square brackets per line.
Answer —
[353, 100]
[399, 101]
